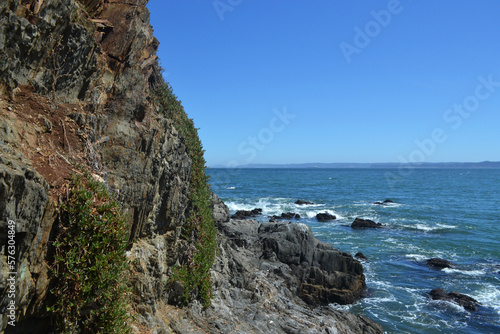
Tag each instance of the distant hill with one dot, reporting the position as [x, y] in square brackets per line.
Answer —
[484, 164]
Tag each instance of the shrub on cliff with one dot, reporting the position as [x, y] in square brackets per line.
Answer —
[200, 228]
[90, 262]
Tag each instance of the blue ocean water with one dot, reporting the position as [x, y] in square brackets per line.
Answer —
[448, 213]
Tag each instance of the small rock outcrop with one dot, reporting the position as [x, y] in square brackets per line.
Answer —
[244, 214]
[285, 215]
[386, 202]
[301, 202]
[360, 256]
[465, 301]
[439, 263]
[365, 223]
[325, 216]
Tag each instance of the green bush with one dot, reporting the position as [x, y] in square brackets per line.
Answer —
[200, 225]
[90, 265]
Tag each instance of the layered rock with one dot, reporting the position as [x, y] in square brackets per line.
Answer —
[75, 78]
[277, 278]
[465, 301]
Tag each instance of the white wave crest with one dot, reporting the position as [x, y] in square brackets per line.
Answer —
[464, 272]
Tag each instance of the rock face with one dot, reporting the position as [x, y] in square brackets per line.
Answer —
[465, 301]
[267, 274]
[77, 89]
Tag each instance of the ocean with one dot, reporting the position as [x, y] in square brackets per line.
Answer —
[452, 214]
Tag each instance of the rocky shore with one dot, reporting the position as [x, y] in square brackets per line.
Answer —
[76, 95]
[277, 278]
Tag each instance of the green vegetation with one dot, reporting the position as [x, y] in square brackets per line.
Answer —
[200, 227]
[90, 264]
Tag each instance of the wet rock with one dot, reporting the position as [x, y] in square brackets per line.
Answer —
[465, 301]
[439, 263]
[365, 223]
[301, 202]
[244, 214]
[325, 216]
[386, 202]
[286, 215]
[267, 276]
[360, 256]
[220, 210]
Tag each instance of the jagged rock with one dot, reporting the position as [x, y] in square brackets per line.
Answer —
[325, 216]
[301, 202]
[264, 278]
[360, 256]
[365, 223]
[286, 215]
[244, 214]
[220, 210]
[386, 202]
[439, 263]
[465, 301]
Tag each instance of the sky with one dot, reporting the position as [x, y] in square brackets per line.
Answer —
[281, 82]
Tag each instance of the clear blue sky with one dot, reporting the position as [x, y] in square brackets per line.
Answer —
[335, 81]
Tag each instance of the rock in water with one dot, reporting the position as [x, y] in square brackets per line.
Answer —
[365, 223]
[286, 215]
[301, 202]
[465, 301]
[360, 256]
[243, 214]
[325, 216]
[439, 263]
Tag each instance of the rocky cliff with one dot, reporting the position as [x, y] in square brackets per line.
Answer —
[75, 96]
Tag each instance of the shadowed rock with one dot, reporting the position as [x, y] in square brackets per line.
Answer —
[301, 202]
[365, 223]
[244, 214]
[325, 216]
[286, 215]
[439, 263]
[465, 301]
[385, 203]
[360, 256]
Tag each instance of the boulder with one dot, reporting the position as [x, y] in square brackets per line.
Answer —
[244, 214]
[325, 216]
[365, 223]
[286, 215]
[439, 263]
[220, 210]
[360, 256]
[465, 301]
[301, 202]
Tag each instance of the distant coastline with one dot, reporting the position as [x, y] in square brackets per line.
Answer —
[380, 165]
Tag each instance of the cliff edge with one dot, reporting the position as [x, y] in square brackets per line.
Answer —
[78, 96]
